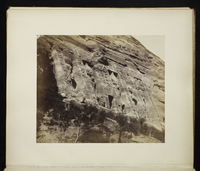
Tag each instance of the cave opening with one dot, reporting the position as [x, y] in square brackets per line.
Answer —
[90, 64]
[115, 74]
[135, 101]
[110, 100]
[89, 74]
[103, 60]
[73, 83]
[89, 49]
[84, 62]
[94, 86]
[123, 106]
[110, 72]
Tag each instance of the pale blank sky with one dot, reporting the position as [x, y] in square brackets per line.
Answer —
[154, 43]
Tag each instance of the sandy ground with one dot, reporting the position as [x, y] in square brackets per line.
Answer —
[55, 134]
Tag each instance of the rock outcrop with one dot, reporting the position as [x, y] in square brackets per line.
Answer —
[113, 73]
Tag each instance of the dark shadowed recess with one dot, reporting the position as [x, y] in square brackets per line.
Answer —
[47, 90]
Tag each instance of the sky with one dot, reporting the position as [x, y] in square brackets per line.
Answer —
[154, 43]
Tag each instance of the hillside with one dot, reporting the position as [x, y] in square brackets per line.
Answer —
[99, 89]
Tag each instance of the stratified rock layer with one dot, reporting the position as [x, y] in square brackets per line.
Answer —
[115, 73]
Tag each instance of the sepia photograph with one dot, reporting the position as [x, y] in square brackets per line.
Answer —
[100, 89]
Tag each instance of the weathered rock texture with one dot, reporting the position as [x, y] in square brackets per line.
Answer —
[115, 73]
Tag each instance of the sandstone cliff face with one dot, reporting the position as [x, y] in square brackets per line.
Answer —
[113, 73]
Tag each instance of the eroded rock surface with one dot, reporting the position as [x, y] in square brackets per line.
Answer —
[113, 73]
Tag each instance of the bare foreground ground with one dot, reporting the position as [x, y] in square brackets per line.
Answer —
[93, 133]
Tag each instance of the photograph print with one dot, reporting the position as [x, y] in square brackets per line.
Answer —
[100, 89]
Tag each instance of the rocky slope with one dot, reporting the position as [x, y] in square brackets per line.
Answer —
[116, 74]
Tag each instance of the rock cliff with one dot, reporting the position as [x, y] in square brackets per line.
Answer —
[112, 73]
